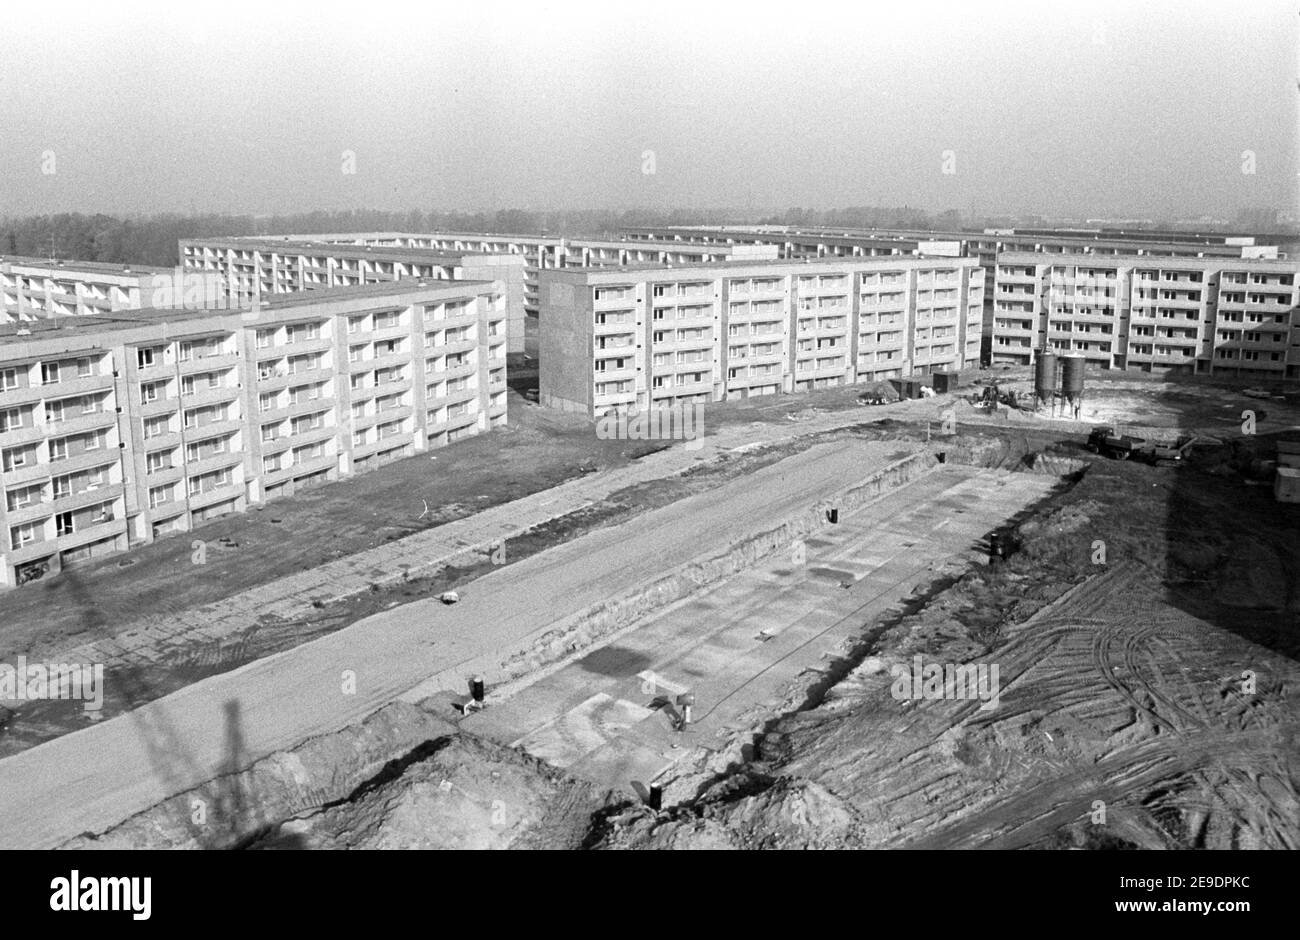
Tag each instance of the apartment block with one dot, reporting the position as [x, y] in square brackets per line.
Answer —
[985, 245]
[267, 266]
[544, 253]
[36, 288]
[115, 432]
[1217, 316]
[633, 337]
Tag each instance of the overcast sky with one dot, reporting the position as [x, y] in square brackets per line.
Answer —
[1133, 108]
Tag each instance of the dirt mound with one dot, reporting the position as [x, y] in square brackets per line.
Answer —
[402, 778]
[458, 793]
[786, 814]
[230, 810]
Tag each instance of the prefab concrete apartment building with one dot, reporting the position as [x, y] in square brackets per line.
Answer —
[1214, 316]
[36, 288]
[264, 266]
[545, 253]
[986, 245]
[627, 338]
[115, 430]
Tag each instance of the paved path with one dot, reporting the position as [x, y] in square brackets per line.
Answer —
[93, 778]
[740, 645]
[156, 638]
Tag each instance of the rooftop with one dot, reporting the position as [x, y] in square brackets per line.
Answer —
[71, 266]
[1146, 261]
[771, 266]
[288, 245]
[48, 327]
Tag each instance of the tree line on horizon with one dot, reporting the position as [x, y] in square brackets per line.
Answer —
[152, 239]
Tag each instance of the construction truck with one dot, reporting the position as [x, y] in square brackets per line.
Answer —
[992, 396]
[1108, 442]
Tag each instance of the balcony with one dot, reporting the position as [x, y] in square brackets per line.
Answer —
[211, 429]
[108, 492]
[214, 363]
[209, 396]
[71, 385]
[219, 494]
[94, 533]
[214, 461]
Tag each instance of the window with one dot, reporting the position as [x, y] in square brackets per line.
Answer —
[271, 464]
[94, 441]
[24, 534]
[266, 401]
[8, 379]
[144, 358]
[157, 461]
[85, 368]
[264, 338]
[64, 524]
[49, 373]
[62, 487]
[21, 498]
[270, 432]
[11, 419]
[160, 495]
[308, 423]
[304, 332]
[59, 449]
[156, 427]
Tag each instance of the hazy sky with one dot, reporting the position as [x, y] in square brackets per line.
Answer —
[1131, 108]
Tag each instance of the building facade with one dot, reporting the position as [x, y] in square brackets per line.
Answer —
[114, 432]
[1215, 316]
[544, 253]
[628, 338]
[35, 288]
[266, 266]
[986, 245]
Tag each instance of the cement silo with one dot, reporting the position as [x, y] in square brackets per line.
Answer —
[1072, 368]
[1045, 376]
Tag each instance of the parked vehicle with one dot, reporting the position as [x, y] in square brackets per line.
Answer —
[1110, 443]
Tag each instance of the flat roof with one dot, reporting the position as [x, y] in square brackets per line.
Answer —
[1144, 261]
[49, 327]
[1101, 239]
[71, 266]
[773, 265]
[549, 240]
[381, 252]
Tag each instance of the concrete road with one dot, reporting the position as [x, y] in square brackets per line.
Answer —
[739, 645]
[91, 779]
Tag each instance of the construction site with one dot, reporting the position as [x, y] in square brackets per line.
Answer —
[570, 642]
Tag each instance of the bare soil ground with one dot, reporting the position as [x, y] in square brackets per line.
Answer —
[1148, 694]
[539, 449]
[1146, 702]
